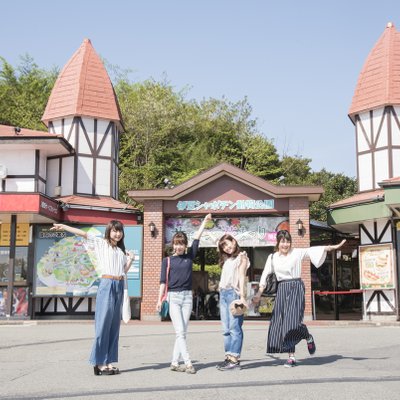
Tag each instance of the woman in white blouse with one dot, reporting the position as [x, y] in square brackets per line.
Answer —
[286, 327]
[114, 264]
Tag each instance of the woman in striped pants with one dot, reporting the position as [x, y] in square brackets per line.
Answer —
[286, 327]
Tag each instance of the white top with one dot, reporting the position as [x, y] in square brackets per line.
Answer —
[289, 266]
[110, 260]
[230, 274]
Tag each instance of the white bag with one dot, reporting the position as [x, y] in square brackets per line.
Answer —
[126, 305]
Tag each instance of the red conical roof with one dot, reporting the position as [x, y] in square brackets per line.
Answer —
[379, 81]
[83, 88]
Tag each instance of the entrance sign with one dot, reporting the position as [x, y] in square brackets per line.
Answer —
[248, 231]
[376, 266]
[221, 205]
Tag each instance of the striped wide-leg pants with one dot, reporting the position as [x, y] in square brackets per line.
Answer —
[286, 327]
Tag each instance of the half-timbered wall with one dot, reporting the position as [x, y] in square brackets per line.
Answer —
[378, 146]
[26, 173]
[93, 170]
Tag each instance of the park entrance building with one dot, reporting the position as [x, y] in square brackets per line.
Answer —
[248, 207]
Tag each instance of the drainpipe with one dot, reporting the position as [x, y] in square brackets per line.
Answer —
[11, 266]
[397, 269]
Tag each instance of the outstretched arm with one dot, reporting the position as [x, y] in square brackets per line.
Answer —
[70, 229]
[199, 232]
[336, 246]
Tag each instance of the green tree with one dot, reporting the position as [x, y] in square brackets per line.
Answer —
[24, 93]
[336, 187]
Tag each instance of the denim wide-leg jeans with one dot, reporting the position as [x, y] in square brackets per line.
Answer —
[231, 326]
[107, 322]
[180, 309]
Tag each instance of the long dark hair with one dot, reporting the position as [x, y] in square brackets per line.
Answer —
[118, 226]
[284, 234]
[224, 256]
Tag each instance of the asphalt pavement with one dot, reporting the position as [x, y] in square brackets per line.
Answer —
[49, 360]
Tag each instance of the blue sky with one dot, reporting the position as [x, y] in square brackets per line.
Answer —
[297, 62]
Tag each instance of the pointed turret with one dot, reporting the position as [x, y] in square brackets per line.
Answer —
[83, 89]
[83, 108]
[378, 83]
[375, 112]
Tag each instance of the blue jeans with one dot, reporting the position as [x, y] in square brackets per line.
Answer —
[231, 326]
[180, 308]
[107, 322]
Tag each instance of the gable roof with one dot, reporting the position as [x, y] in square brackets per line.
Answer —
[224, 169]
[83, 88]
[379, 80]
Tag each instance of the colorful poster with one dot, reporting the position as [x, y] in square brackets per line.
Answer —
[248, 231]
[376, 266]
[65, 267]
[20, 302]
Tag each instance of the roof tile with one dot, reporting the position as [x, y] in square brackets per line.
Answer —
[83, 88]
[379, 81]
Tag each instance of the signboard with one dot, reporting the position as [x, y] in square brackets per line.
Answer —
[22, 235]
[248, 231]
[218, 205]
[376, 266]
[64, 266]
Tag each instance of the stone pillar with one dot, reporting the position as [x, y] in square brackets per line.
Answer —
[299, 209]
[153, 251]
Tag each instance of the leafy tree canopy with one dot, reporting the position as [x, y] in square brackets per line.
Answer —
[24, 92]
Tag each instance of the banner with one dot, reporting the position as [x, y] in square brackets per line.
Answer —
[376, 266]
[248, 231]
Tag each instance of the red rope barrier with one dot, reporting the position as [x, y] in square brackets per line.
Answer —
[353, 291]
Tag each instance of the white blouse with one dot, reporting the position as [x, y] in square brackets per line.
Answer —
[289, 266]
[110, 260]
[230, 274]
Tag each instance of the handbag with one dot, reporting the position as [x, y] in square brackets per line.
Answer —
[271, 282]
[126, 305]
[164, 301]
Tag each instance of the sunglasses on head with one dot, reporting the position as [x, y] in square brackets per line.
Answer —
[282, 232]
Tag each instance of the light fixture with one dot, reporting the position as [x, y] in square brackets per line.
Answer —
[300, 227]
[64, 206]
[152, 229]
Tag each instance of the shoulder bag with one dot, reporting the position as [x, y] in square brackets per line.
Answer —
[271, 283]
[164, 302]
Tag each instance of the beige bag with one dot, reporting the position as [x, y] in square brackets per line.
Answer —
[126, 305]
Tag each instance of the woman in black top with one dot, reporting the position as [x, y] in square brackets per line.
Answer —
[180, 295]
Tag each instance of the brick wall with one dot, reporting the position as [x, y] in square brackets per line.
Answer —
[299, 209]
[153, 251]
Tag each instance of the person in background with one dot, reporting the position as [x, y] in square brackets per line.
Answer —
[234, 264]
[180, 296]
[286, 327]
[114, 264]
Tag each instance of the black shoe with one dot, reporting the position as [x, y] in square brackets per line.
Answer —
[223, 364]
[311, 345]
[230, 365]
[106, 371]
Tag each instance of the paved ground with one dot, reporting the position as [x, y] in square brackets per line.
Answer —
[48, 360]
